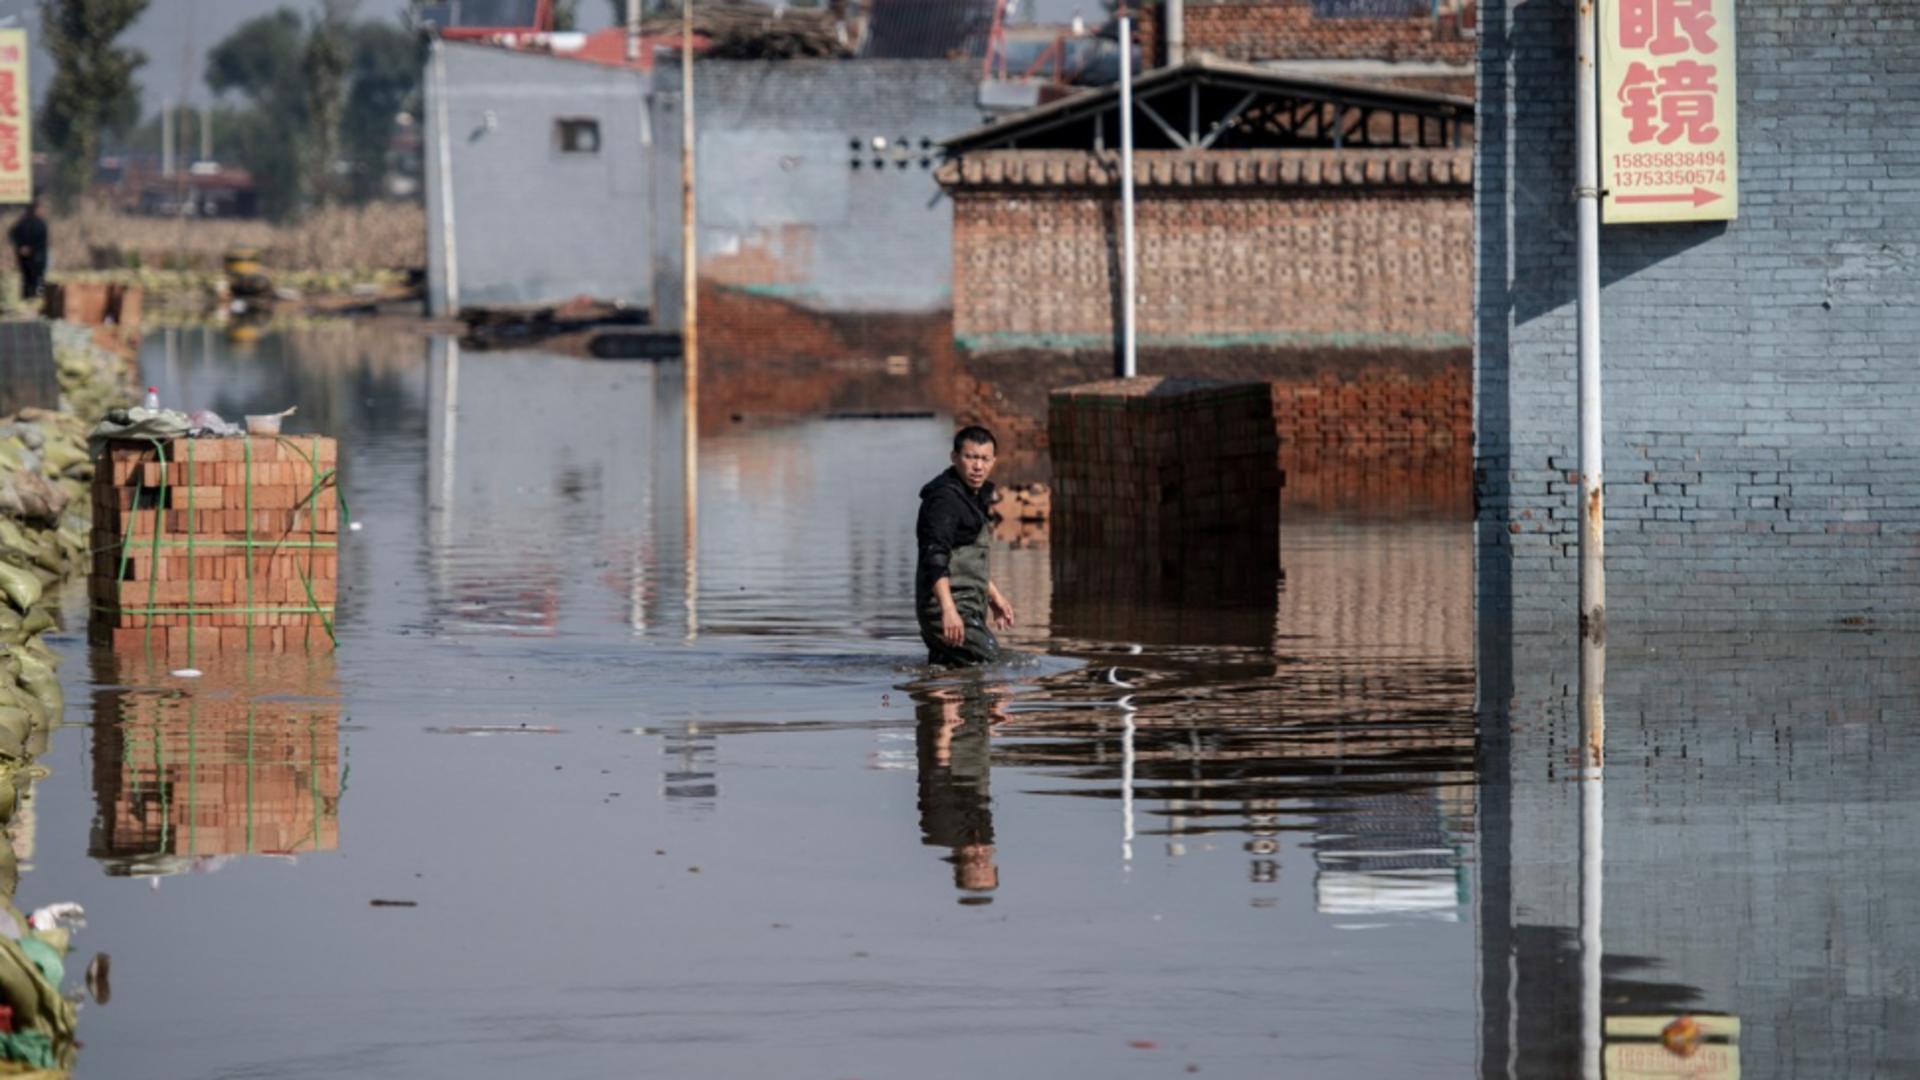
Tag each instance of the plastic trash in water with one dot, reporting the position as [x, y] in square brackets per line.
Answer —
[186, 673]
[64, 914]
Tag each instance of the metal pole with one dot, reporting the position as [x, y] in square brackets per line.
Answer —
[690, 321]
[206, 133]
[443, 154]
[1129, 366]
[633, 31]
[1593, 582]
[1176, 32]
[1593, 801]
[166, 138]
[1593, 518]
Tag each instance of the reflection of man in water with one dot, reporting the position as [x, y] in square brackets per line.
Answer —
[952, 594]
[956, 811]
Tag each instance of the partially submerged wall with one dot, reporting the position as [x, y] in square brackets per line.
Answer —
[537, 216]
[1342, 277]
[816, 180]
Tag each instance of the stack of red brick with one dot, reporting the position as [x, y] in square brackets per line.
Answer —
[215, 543]
[1155, 463]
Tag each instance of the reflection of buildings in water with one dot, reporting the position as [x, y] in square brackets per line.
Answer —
[689, 777]
[1393, 853]
[1758, 854]
[553, 487]
[244, 761]
[953, 749]
[1338, 701]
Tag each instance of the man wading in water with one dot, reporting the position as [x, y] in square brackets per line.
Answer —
[952, 595]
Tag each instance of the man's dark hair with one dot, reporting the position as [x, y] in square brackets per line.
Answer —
[975, 434]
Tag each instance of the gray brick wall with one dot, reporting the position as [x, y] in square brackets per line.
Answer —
[785, 211]
[1762, 376]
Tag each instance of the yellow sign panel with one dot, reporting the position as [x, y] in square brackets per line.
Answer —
[1667, 111]
[16, 120]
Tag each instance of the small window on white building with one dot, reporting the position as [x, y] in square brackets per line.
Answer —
[578, 136]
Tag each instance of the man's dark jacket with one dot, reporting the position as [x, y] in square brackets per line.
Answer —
[951, 516]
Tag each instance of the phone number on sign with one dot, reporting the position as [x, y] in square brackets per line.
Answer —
[1669, 178]
[1671, 159]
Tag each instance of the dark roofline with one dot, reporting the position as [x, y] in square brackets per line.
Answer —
[1213, 71]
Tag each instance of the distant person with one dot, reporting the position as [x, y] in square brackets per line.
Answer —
[953, 596]
[29, 239]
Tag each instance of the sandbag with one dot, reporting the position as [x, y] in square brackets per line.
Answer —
[36, 675]
[31, 497]
[16, 726]
[37, 621]
[60, 454]
[21, 586]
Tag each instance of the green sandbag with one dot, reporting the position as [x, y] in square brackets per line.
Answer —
[36, 674]
[47, 554]
[37, 621]
[37, 1004]
[11, 622]
[47, 958]
[13, 536]
[32, 1048]
[59, 454]
[13, 453]
[15, 728]
[22, 587]
[9, 796]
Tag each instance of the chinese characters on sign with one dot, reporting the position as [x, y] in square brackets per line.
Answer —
[16, 122]
[1667, 146]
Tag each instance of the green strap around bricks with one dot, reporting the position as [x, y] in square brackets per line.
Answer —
[314, 607]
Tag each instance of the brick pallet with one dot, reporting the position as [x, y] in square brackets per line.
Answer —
[215, 543]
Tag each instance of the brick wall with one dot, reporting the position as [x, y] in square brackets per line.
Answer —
[1169, 480]
[1762, 375]
[1282, 248]
[762, 356]
[1358, 428]
[1292, 30]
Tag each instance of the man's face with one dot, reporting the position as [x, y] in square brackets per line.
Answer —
[974, 462]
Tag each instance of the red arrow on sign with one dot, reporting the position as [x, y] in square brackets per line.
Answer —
[1700, 197]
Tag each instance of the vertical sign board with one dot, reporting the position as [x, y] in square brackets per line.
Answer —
[1667, 111]
[16, 120]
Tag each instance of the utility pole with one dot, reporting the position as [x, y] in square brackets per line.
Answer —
[690, 313]
[1593, 531]
[633, 31]
[1176, 32]
[1129, 366]
[1592, 515]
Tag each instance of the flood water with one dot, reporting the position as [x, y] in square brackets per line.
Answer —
[711, 817]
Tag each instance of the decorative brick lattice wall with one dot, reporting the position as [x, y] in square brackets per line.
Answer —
[1283, 248]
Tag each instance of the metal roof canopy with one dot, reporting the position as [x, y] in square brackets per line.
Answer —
[1213, 104]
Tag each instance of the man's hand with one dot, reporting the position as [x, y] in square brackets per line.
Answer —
[999, 609]
[951, 628]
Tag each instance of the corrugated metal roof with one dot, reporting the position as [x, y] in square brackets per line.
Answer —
[927, 29]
